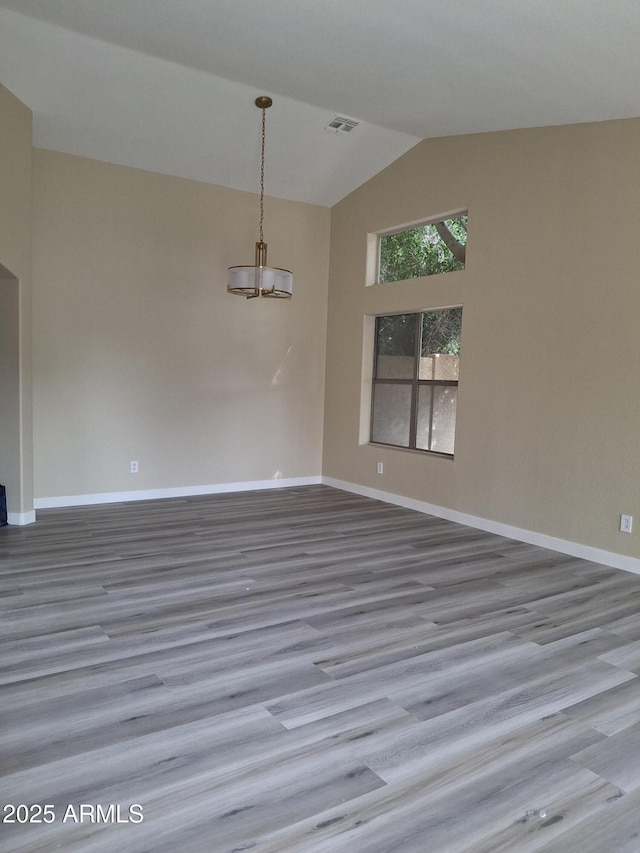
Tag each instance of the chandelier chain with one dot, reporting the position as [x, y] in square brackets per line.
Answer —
[264, 114]
[260, 279]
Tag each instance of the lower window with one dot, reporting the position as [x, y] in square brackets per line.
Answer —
[415, 380]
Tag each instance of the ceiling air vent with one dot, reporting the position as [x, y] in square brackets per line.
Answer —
[340, 124]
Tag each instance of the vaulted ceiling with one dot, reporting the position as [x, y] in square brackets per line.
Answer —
[169, 85]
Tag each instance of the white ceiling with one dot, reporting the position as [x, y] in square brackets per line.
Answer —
[169, 85]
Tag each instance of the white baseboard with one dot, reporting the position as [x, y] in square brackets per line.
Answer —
[564, 546]
[20, 518]
[178, 492]
[574, 549]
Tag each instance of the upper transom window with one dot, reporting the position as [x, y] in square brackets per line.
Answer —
[429, 249]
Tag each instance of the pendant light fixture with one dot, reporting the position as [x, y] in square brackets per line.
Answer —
[260, 279]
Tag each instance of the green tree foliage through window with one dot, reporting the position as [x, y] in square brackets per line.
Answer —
[426, 250]
[441, 332]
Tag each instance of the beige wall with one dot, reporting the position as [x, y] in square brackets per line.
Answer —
[16, 459]
[141, 354]
[548, 433]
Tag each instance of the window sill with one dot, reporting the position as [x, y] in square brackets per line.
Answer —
[417, 450]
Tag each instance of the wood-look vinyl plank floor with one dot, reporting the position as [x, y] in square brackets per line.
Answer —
[627, 627]
[311, 670]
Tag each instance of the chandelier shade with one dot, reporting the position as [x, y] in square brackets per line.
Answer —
[260, 279]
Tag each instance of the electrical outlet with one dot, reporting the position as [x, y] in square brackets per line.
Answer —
[380, 468]
[626, 523]
[134, 466]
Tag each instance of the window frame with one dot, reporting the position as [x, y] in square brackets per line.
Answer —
[415, 383]
[376, 246]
